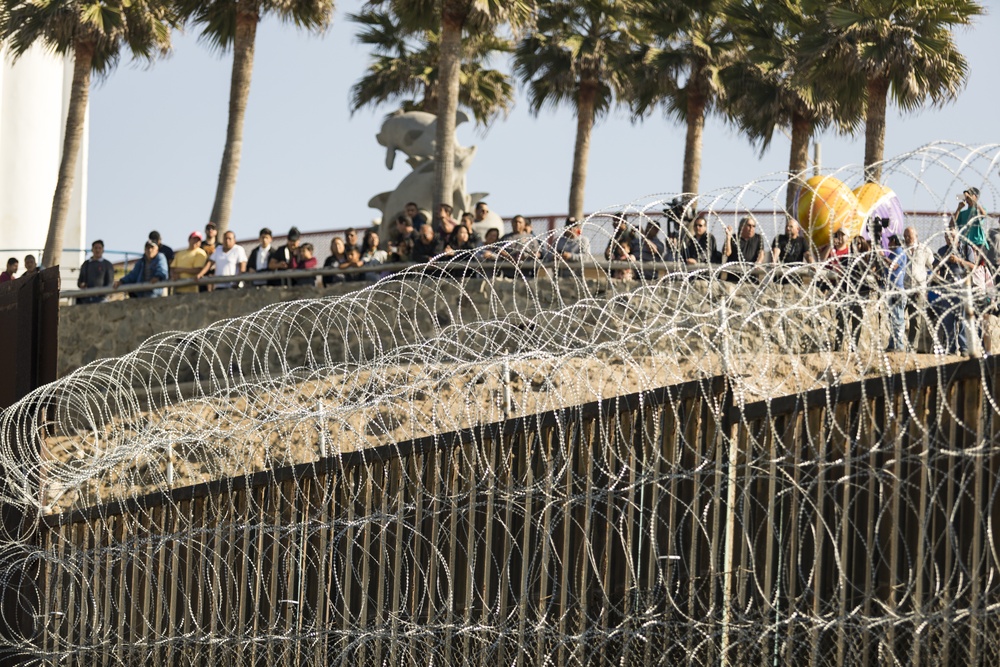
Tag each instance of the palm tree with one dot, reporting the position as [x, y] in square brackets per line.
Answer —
[233, 24]
[693, 45]
[579, 53]
[405, 68]
[453, 18]
[902, 48]
[96, 33]
[773, 85]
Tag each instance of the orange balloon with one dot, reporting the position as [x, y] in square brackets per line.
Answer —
[826, 205]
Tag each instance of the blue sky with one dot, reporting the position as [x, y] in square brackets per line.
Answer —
[156, 138]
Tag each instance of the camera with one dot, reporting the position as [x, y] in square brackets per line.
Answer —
[876, 226]
[678, 212]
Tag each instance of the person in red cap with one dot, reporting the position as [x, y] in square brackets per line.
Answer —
[188, 263]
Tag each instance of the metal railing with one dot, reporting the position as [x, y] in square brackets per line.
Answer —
[472, 268]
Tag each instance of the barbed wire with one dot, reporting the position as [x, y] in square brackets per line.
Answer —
[493, 459]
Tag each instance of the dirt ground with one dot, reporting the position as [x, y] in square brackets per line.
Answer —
[303, 419]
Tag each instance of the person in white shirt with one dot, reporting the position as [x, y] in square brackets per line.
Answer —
[919, 265]
[228, 259]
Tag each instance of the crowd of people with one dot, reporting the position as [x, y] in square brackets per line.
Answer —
[920, 286]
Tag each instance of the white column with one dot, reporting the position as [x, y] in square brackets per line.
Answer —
[34, 98]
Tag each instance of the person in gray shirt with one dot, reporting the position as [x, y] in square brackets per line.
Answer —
[95, 272]
[571, 248]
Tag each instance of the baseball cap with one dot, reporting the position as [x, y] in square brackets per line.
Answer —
[151, 244]
[195, 234]
[973, 191]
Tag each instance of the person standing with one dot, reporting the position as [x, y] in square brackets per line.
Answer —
[970, 219]
[228, 259]
[572, 248]
[165, 250]
[415, 214]
[648, 250]
[287, 256]
[484, 219]
[306, 260]
[955, 260]
[791, 247]
[700, 247]
[150, 268]
[338, 256]
[12, 265]
[895, 275]
[30, 265]
[188, 263]
[211, 238]
[260, 256]
[748, 247]
[95, 272]
[919, 264]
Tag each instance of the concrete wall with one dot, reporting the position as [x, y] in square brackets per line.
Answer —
[773, 318]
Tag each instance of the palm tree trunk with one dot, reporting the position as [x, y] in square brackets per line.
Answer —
[692, 145]
[239, 92]
[449, 71]
[581, 152]
[72, 139]
[878, 90]
[798, 159]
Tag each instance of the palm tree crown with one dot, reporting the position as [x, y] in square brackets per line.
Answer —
[580, 53]
[452, 18]
[774, 85]
[233, 24]
[405, 68]
[903, 49]
[694, 43]
[96, 32]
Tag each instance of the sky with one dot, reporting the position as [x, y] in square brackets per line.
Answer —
[157, 134]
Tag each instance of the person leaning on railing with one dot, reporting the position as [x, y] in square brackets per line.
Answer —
[336, 258]
[571, 249]
[306, 260]
[228, 259]
[701, 247]
[747, 247]
[150, 268]
[188, 263]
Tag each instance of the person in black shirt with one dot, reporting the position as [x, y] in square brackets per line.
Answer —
[792, 247]
[427, 246]
[701, 247]
[163, 248]
[747, 247]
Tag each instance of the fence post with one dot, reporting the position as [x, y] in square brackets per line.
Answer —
[728, 443]
[29, 320]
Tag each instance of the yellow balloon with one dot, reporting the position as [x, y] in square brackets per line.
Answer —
[826, 205]
[868, 195]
